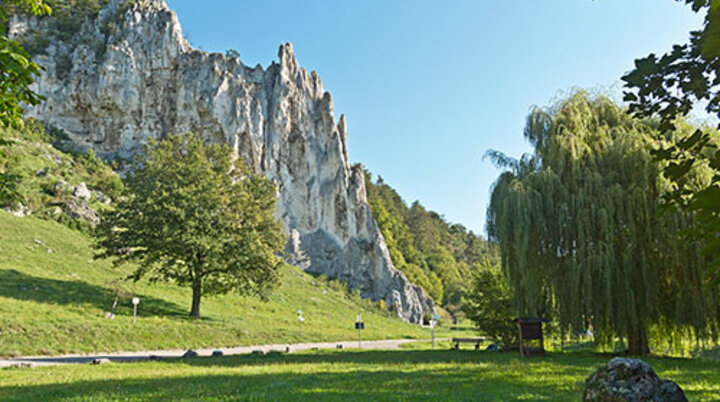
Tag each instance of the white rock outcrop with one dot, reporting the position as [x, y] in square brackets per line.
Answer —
[130, 75]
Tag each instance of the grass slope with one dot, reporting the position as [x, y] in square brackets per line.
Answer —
[49, 176]
[53, 296]
[344, 375]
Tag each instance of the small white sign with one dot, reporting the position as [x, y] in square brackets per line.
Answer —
[136, 300]
[436, 317]
[359, 318]
[301, 319]
[299, 312]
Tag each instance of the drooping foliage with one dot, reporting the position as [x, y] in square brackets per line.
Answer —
[580, 237]
[438, 256]
[196, 216]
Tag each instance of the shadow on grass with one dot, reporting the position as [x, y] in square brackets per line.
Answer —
[323, 383]
[356, 375]
[20, 286]
[438, 356]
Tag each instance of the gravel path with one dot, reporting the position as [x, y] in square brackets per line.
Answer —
[178, 353]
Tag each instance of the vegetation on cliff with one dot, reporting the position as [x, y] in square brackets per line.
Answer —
[434, 254]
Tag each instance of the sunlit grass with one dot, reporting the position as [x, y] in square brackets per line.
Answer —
[439, 374]
[53, 299]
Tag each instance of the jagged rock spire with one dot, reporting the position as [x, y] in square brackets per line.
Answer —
[142, 80]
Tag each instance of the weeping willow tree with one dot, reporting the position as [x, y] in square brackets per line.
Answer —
[580, 235]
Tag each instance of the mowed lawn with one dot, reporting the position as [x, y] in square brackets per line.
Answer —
[343, 375]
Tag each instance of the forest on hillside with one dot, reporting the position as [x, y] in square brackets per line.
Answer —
[434, 254]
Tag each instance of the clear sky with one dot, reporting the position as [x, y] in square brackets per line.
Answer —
[428, 86]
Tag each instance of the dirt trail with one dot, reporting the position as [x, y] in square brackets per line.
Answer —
[387, 344]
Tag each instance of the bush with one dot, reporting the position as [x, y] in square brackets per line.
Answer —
[489, 305]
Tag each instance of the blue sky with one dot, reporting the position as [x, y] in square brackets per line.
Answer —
[428, 86]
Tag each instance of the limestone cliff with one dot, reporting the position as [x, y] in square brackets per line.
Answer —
[129, 75]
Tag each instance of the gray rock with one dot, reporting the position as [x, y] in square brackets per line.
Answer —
[22, 365]
[100, 196]
[630, 380]
[40, 173]
[20, 211]
[79, 209]
[279, 119]
[189, 354]
[82, 192]
[60, 187]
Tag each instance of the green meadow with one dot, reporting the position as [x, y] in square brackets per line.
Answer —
[348, 375]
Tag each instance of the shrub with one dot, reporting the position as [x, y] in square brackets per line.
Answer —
[489, 305]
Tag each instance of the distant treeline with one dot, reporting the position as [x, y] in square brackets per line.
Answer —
[433, 253]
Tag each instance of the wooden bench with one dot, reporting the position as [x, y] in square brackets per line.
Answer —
[476, 341]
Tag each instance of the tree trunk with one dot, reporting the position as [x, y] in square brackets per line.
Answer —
[638, 341]
[197, 293]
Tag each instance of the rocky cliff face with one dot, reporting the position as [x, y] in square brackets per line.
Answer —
[129, 75]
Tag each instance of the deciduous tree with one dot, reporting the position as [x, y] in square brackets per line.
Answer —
[196, 216]
[17, 73]
[579, 233]
[669, 87]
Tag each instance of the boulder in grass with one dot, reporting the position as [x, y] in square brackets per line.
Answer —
[630, 380]
[82, 192]
[189, 354]
[493, 347]
[22, 365]
[79, 209]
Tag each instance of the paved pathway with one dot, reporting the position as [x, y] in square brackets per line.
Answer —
[177, 353]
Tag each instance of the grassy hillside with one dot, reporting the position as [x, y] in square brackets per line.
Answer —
[53, 298]
[48, 176]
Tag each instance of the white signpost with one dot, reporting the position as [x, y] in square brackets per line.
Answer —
[435, 319]
[359, 325]
[135, 302]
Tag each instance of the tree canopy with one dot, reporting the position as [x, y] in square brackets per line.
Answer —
[438, 256]
[16, 75]
[18, 71]
[669, 87]
[194, 215]
[490, 305]
[579, 234]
